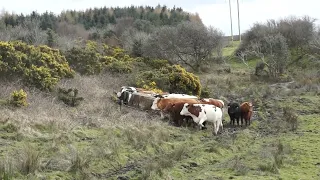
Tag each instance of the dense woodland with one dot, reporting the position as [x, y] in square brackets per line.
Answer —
[102, 17]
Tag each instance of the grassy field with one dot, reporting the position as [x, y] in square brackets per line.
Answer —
[95, 140]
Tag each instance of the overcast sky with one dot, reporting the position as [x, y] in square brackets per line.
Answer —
[212, 12]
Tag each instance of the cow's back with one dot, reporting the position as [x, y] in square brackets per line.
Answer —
[213, 113]
[141, 100]
[163, 102]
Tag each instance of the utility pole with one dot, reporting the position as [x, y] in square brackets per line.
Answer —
[239, 21]
[231, 20]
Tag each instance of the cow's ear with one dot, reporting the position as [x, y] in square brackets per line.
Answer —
[158, 96]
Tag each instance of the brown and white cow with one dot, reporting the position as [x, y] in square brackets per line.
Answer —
[217, 102]
[160, 102]
[246, 109]
[174, 110]
[204, 112]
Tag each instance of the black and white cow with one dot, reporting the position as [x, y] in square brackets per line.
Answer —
[125, 94]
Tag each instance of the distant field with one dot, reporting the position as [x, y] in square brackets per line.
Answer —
[230, 48]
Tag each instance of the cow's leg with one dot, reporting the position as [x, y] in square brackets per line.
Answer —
[241, 117]
[200, 123]
[215, 124]
[179, 121]
[171, 119]
[204, 125]
[161, 115]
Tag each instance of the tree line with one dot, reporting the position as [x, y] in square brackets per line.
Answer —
[101, 17]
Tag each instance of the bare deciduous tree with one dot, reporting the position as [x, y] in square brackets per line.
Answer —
[133, 40]
[29, 32]
[273, 52]
[122, 25]
[189, 43]
[74, 31]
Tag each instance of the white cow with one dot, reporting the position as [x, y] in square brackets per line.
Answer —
[204, 112]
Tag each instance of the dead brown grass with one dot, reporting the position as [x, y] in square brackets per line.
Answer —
[96, 110]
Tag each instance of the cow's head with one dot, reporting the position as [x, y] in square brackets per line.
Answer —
[158, 96]
[248, 106]
[233, 107]
[185, 109]
[126, 88]
[155, 103]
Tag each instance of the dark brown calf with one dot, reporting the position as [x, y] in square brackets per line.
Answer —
[246, 109]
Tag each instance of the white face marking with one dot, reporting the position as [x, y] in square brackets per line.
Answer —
[154, 104]
[185, 110]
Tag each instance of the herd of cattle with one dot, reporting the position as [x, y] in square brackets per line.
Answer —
[184, 108]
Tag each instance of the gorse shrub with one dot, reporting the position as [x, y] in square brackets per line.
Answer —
[85, 60]
[172, 79]
[39, 66]
[93, 58]
[156, 63]
[182, 81]
[18, 98]
[152, 86]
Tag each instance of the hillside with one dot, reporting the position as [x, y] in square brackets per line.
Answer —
[59, 118]
[97, 141]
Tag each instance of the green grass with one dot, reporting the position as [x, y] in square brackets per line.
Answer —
[3, 102]
[229, 49]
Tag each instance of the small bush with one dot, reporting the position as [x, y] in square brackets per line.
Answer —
[19, 98]
[182, 81]
[29, 160]
[205, 92]
[69, 97]
[290, 117]
[259, 68]
[6, 169]
[172, 79]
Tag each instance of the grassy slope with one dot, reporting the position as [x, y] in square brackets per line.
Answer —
[140, 146]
